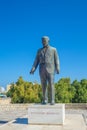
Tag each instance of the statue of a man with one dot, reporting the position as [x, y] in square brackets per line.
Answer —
[48, 61]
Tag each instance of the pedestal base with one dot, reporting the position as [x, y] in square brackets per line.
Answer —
[46, 114]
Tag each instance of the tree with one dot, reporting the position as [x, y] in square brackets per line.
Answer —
[25, 92]
[64, 91]
[80, 91]
[11, 90]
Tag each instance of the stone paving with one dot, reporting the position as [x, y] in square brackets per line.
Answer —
[83, 112]
[72, 122]
[8, 115]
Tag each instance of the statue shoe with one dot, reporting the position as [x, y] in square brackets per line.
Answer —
[44, 102]
[52, 103]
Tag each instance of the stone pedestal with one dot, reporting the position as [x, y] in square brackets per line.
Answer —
[46, 114]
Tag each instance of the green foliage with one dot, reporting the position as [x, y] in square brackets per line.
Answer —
[65, 91]
[80, 91]
[11, 91]
[25, 92]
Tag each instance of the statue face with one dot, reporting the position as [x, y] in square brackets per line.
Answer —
[44, 41]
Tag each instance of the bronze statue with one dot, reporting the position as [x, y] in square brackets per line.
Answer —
[48, 61]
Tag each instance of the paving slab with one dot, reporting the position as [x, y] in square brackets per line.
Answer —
[72, 122]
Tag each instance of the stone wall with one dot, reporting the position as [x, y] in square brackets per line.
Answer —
[25, 106]
[11, 107]
[76, 105]
[5, 100]
[6, 105]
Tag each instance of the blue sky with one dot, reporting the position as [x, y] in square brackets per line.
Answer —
[24, 22]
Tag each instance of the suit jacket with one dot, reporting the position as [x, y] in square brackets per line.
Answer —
[48, 58]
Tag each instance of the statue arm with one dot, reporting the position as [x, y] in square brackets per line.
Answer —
[57, 64]
[36, 62]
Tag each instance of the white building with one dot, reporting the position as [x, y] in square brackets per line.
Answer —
[2, 89]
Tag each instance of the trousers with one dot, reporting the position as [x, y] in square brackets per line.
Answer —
[47, 79]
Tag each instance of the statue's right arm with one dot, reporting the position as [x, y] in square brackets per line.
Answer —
[36, 62]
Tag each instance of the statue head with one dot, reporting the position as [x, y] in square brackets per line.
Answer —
[45, 41]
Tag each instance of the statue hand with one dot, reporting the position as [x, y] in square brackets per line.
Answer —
[32, 71]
